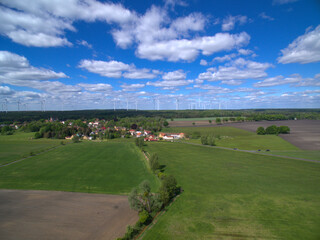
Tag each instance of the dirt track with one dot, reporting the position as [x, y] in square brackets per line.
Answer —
[63, 215]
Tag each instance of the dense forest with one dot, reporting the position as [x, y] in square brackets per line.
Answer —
[251, 115]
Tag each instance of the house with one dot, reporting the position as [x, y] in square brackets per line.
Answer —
[171, 136]
[146, 133]
[151, 138]
[138, 133]
[87, 138]
[69, 138]
[132, 132]
[168, 137]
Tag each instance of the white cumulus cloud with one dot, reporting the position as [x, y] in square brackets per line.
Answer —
[304, 49]
[116, 69]
[229, 22]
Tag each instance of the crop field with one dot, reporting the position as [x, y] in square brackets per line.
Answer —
[92, 167]
[237, 195]
[19, 145]
[237, 138]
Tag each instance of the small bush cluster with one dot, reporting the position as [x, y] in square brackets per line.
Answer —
[208, 140]
[273, 129]
[6, 130]
[139, 142]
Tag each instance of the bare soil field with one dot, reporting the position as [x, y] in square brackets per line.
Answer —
[63, 215]
[305, 134]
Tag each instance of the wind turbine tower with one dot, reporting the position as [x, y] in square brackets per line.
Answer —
[19, 102]
[127, 104]
[114, 104]
[5, 105]
[43, 105]
[177, 104]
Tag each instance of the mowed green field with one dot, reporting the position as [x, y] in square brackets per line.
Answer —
[238, 195]
[93, 167]
[19, 145]
[237, 138]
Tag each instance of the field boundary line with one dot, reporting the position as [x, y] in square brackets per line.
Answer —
[254, 152]
[159, 214]
[22, 159]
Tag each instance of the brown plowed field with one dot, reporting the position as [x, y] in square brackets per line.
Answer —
[305, 134]
[63, 215]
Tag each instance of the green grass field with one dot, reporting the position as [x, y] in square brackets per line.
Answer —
[237, 138]
[237, 195]
[106, 167]
[19, 145]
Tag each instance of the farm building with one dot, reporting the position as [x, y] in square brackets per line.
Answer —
[171, 136]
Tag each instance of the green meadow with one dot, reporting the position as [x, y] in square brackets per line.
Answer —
[236, 138]
[20, 145]
[237, 195]
[92, 167]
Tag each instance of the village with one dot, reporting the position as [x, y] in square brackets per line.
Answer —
[100, 129]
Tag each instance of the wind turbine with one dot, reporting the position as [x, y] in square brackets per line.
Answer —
[19, 102]
[127, 104]
[177, 103]
[158, 104]
[25, 106]
[114, 104]
[5, 105]
[43, 105]
[136, 105]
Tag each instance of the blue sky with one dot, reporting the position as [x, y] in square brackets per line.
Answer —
[197, 54]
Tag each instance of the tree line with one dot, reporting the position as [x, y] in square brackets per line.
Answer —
[148, 204]
[273, 129]
[250, 114]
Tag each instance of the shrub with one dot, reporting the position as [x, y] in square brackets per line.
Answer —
[141, 199]
[139, 141]
[161, 175]
[144, 217]
[261, 131]
[154, 162]
[211, 141]
[204, 140]
[284, 129]
[165, 123]
[272, 129]
[168, 189]
[75, 139]
[37, 135]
